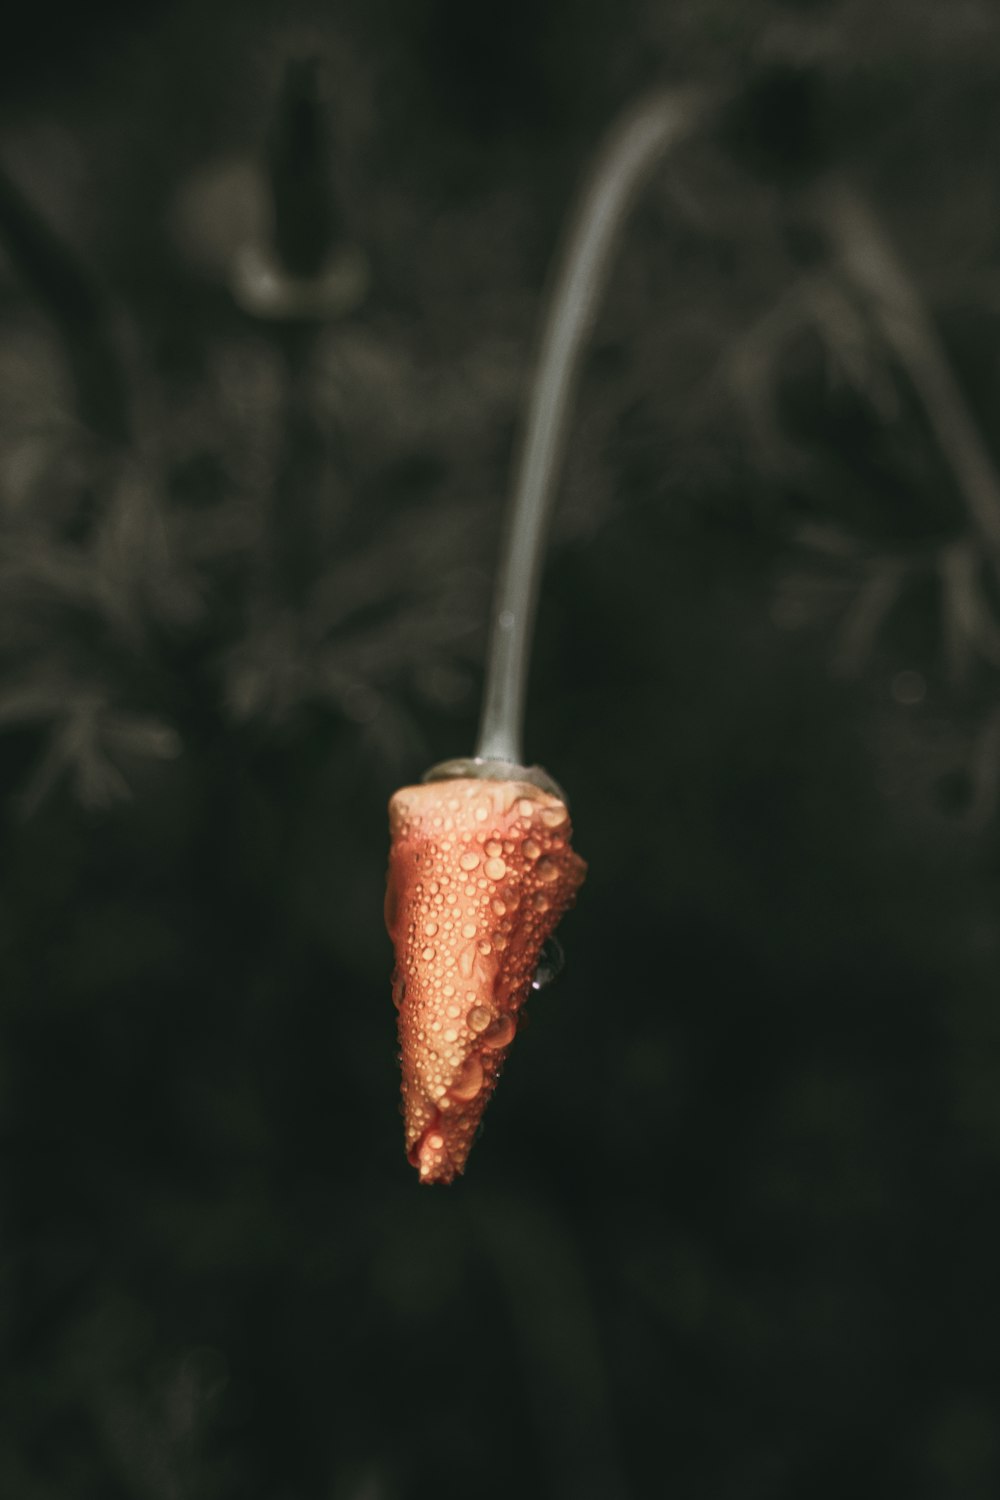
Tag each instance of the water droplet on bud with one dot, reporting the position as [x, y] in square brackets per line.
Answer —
[500, 1033]
[550, 963]
[469, 1080]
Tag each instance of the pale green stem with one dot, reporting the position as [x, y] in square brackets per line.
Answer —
[633, 148]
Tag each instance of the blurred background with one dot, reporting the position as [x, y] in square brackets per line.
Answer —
[270, 283]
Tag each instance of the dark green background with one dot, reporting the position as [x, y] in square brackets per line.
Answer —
[730, 1231]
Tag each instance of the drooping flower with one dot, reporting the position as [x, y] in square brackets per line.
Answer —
[480, 873]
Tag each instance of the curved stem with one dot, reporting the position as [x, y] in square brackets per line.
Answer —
[73, 301]
[634, 146]
[908, 329]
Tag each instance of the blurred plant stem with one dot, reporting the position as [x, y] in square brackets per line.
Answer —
[865, 250]
[551, 1307]
[72, 300]
[305, 240]
[291, 554]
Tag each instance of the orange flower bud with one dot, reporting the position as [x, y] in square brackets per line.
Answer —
[480, 873]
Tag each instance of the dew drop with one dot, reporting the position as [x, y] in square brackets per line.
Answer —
[469, 930]
[484, 946]
[435, 1142]
[478, 1018]
[427, 954]
[450, 1034]
[430, 928]
[469, 1080]
[548, 870]
[551, 961]
[494, 847]
[500, 1033]
[500, 907]
[469, 860]
[495, 869]
[532, 849]
[525, 808]
[540, 901]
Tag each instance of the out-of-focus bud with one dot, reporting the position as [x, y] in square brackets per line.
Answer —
[305, 267]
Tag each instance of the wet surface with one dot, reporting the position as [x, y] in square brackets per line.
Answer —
[727, 1230]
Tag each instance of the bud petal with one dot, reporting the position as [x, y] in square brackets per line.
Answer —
[480, 872]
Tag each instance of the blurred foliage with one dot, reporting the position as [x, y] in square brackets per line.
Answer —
[729, 1230]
